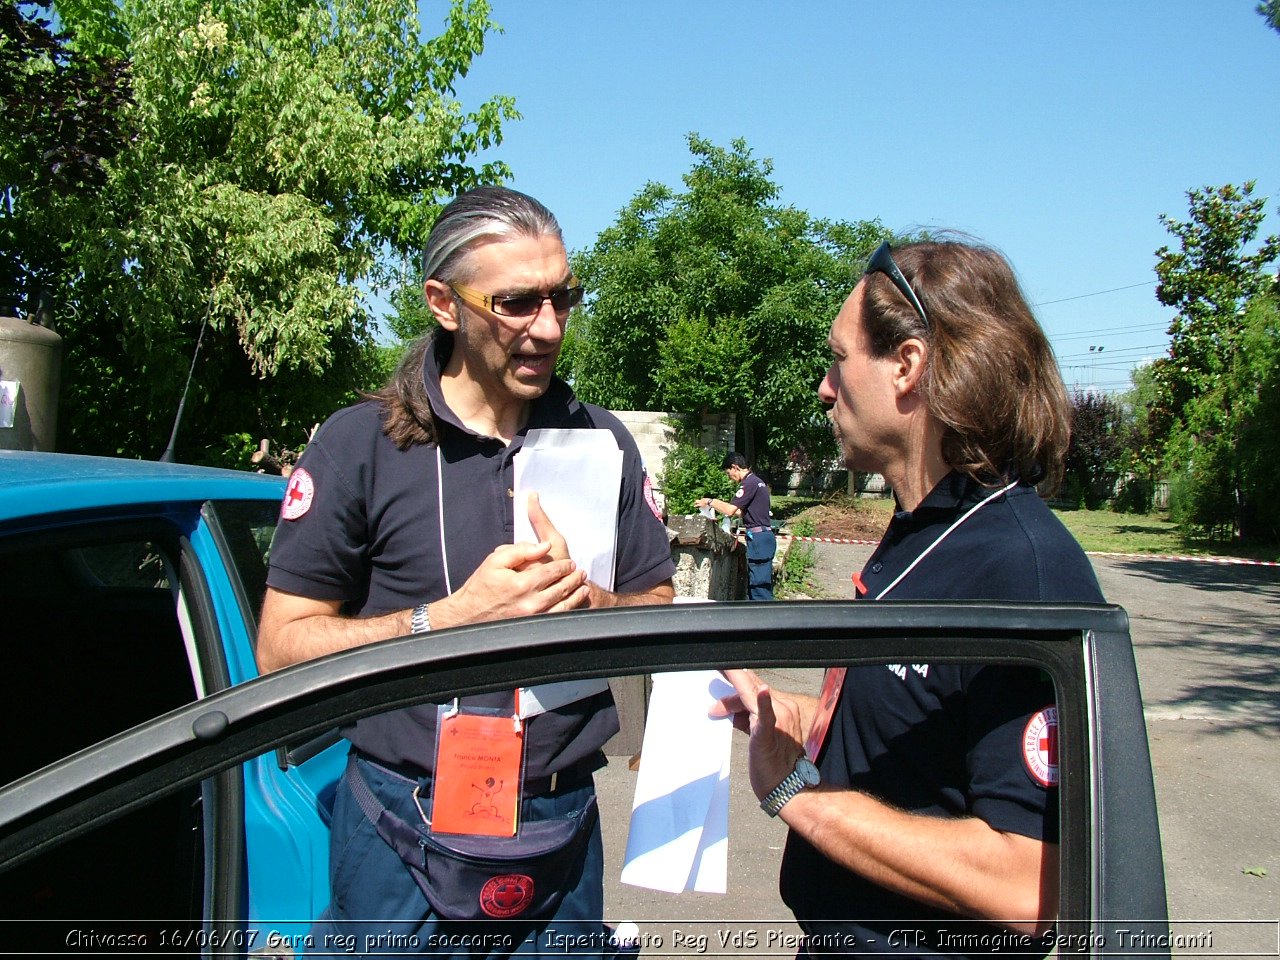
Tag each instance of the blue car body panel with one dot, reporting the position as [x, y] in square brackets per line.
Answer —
[44, 483]
[286, 811]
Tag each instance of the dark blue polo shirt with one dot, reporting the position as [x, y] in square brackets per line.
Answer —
[752, 499]
[941, 740]
[371, 538]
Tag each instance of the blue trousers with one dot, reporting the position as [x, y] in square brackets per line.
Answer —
[761, 547]
[378, 907]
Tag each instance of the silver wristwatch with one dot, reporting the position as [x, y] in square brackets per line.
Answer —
[420, 620]
[804, 776]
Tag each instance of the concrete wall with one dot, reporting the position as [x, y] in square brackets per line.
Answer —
[654, 435]
[710, 564]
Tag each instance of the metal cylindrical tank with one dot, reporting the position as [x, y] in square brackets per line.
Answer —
[31, 358]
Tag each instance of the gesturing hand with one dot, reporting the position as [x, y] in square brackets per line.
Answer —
[774, 722]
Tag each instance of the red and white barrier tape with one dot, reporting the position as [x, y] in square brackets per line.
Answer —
[1225, 561]
[870, 543]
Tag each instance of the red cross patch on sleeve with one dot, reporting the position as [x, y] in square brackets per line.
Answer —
[1040, 747]
[298, 495]
[649, 498]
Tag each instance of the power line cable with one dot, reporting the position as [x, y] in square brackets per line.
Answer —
[1090, 334]
[1098, 293]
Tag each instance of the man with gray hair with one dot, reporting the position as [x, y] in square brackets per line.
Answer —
[399, 519]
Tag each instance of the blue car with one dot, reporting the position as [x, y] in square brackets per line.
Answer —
[155, 787]
[133, 589]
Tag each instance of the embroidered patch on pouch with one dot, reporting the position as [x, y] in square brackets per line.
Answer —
[508, 895]
[298, 495]
[649, 498]
[1040, 747]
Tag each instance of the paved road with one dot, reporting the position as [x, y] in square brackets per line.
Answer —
[1207, 643]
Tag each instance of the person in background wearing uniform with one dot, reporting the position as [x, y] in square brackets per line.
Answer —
[399, 519]
[751, 502]
[920, 794]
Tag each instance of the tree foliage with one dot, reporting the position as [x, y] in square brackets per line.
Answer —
[1270, 11]
[1206, 388]
[281, 155]
[61, 118]
[1096, 453]
[1142, 457]
[690, 472]
[717, 298]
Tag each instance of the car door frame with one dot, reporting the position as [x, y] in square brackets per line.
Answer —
[1110, 852]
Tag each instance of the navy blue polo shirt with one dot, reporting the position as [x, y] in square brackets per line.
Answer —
[944, 740]
[371, 539]
[752, 499]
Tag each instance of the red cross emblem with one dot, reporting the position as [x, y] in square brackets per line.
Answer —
[508, 895]
[298, 495]
[1040, 747]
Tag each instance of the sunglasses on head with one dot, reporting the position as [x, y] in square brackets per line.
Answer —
[882, 262]
[525, 304]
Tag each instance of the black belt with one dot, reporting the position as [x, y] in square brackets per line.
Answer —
[570, 778]
[759, 529]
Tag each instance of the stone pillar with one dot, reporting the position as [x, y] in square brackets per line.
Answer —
[710, 564]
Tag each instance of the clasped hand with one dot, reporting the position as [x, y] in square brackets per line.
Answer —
[523, 579]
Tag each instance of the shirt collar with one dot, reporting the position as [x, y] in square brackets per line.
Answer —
[953, 492]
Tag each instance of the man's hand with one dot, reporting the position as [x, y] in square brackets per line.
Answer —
[596, 596]
[775, 721]
[515, 580]
[546, 531]
[702, 501]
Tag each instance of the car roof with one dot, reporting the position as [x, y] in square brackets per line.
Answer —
[35, 483]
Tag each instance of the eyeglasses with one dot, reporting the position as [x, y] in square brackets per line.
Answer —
[882, 262]
[524, 304]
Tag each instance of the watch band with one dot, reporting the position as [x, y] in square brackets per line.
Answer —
[805, 774]
[420, 619]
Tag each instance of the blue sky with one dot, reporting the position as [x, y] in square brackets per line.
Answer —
[1056, 132]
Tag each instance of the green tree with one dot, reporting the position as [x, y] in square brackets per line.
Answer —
[1142, 455]
[284, 156]
[717, 298]
[1270, 11]
[1258, 387]
[61, 118]
[1095, 453]
[1206, 385]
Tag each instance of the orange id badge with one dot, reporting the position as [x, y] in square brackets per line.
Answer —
[479, 765]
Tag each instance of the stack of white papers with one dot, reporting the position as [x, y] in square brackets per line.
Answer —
[577, 475]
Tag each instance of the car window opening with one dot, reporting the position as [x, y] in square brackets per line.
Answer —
[94, 648]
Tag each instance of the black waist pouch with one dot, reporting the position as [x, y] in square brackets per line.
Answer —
[486, 878]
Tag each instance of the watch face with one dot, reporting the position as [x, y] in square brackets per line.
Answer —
[809, 775]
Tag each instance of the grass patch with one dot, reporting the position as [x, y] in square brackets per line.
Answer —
[1103, 531]
[798, 563]
[1098, 531]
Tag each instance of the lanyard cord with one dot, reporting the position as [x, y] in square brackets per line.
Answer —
[946, 533]
[444, 553]
[448, 585]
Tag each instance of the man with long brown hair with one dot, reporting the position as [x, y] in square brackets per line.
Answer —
[400, 518]
[920, 794]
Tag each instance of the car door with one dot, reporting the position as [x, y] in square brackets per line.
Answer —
[1111, 879]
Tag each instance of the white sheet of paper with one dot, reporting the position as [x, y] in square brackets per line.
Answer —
[679, 837]
[8, 401]
[577, 475]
